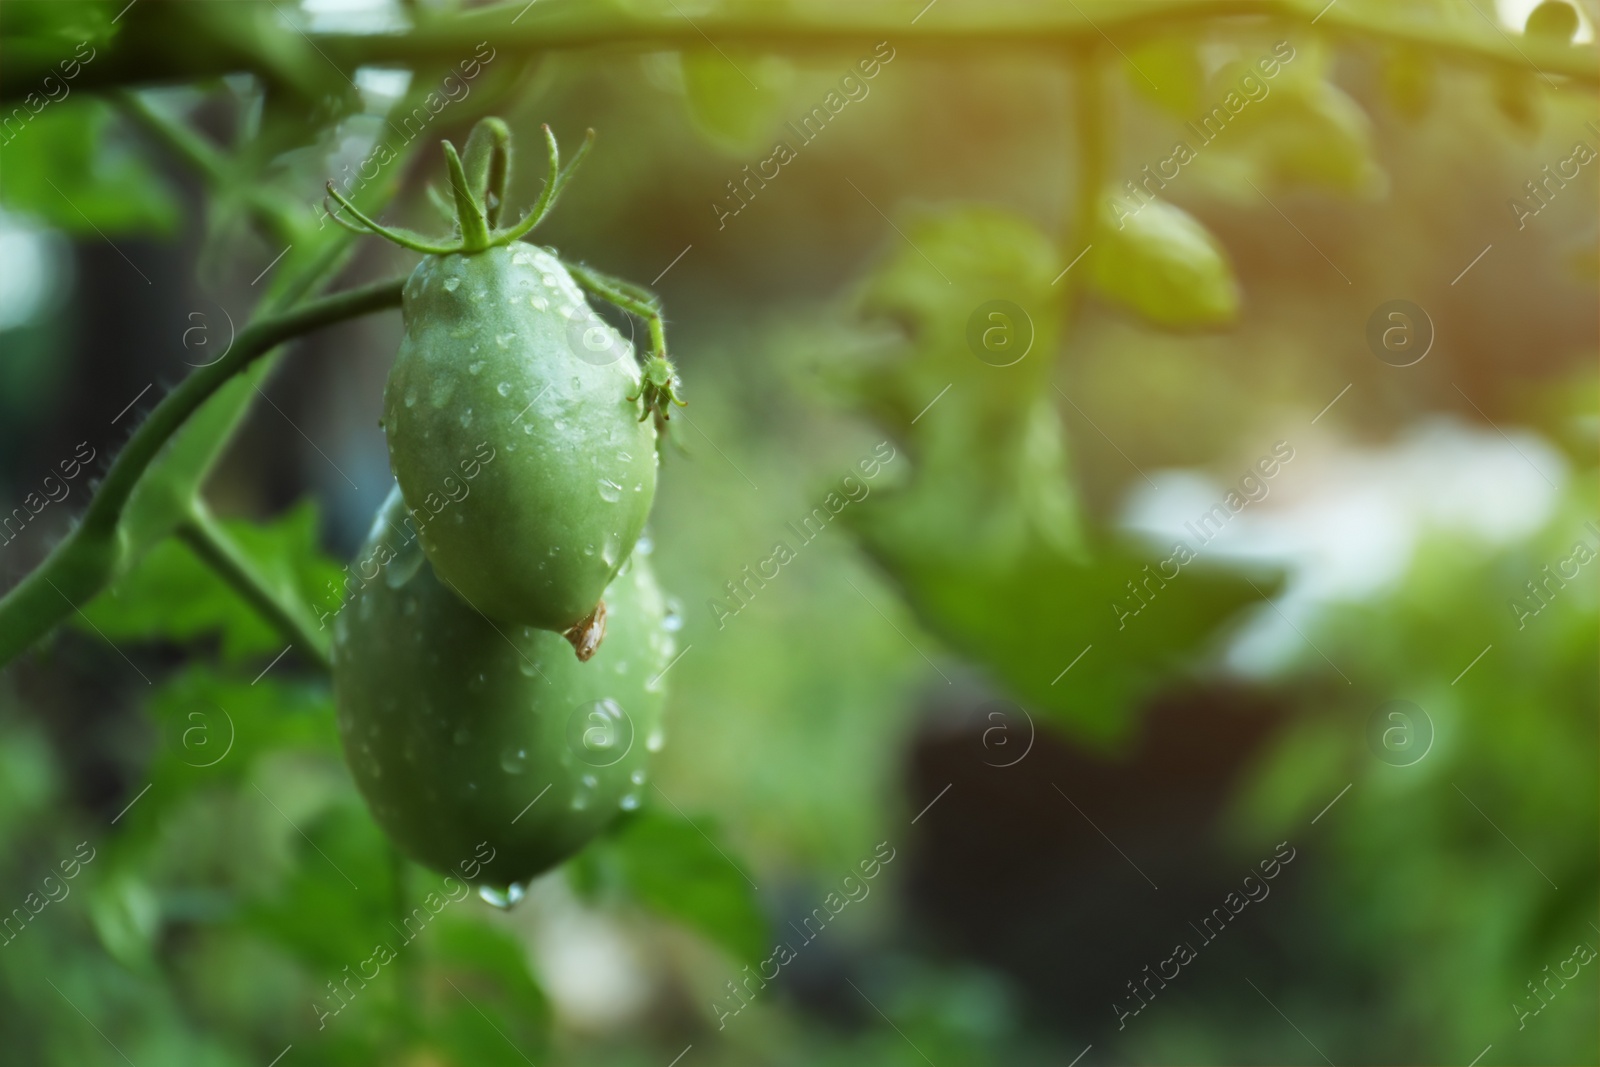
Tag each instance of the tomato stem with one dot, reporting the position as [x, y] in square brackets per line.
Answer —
[286, 611]
[93, 553]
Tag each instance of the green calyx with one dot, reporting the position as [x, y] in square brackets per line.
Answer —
[478, 181]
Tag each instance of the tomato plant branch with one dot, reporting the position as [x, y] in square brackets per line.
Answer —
[553, 25]
[214, 167]
[91, 554]
[285, 610]
[1090, 124]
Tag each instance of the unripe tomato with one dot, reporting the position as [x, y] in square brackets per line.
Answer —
[461, 730]
[495, 364]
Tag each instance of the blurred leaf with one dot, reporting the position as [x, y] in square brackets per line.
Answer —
[1304, 132]
[171, 595]
[737, 98]
[1029, 624]
[1517, 95]
[669, 865]
[982, 320]
[127, 919]
[43, 34]
[1410, 81]
[490, 967]
[1168, 71]
[982, 532]
[337, 903]
[210, 730]
[1554, 20]
[1158, 260]
[66, 167]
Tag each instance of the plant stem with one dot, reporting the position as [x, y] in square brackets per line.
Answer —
[286, 611]
[92, 554]
[553, 25]
[1091, 123]
[211, 165]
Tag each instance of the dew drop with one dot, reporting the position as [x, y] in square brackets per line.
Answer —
[630, 802]
[528, 668]
[452, 284]
[540, 303]
[504, 388]
[475, 366]
[637, 777]
[466, 417]
[522, 259]
[527, 428]
[411, 398]
[514, 760]
[504, 339]
[590, 781]
[673, 620]
[580, 802]
[624, 457]
[644, 545]
[610, 491]
[656, 740]
[502, 897]
[577, 382]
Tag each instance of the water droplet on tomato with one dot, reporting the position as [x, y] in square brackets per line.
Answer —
[514, 760]
[452, 284]
[630, 802]
[502, 897]
[504, 388]
[673, 620]
[656, 741]
[610, 491]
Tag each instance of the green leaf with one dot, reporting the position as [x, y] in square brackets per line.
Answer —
[1159, 261]
[63, 164]
[1308, 133]
[1030, 623]
[736, 98]
[43, 35]
[682, 870]
[1410, 81]
[211, 728]
[982, 531]
[464, 940]
[172, 595]
[1168, 71]
[1554, 20]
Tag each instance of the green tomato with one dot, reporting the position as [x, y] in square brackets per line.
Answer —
[523, 460]
[470, 737]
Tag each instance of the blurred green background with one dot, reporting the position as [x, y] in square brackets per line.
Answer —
[988, 669]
